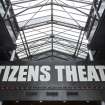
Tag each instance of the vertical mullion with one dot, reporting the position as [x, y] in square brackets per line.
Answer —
[52, 36]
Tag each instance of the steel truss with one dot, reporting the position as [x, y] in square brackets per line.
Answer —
[52, 25]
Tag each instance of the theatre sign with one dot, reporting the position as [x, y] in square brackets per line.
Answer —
[52, 81]
[43, 73]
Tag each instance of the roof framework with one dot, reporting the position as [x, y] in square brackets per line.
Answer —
[52, 25]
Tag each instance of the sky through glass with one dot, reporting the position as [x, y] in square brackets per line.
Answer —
[52, 25]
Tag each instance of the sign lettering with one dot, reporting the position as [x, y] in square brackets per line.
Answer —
[68, 73]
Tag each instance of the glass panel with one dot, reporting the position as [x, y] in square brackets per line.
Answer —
[39, 20]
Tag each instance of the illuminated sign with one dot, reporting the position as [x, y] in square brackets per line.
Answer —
[45, 73]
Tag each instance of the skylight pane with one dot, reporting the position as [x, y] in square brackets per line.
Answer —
[39, 20]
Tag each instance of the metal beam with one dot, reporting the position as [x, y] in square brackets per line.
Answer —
[78, 42]
[68, 25]
[24, 1]
[54, 22]
[35, 25]
[81, 1]
[41, 5]
[1, 102]
[27, 8]
[7, 11]
[34, 41]
[13, 55]
[34, 15]
[71, 17]
[35, 46]
[91, 55]
[63, 39]
[102, 102]
[26, 43]
[96, 9]
[52, 36]
[68, 6]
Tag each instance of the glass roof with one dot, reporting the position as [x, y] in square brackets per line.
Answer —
[52, 25]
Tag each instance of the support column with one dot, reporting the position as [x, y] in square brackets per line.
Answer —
[13, 55]
[91, 55]
[1, 102]
[7, 11]
[52, 35]
[96, 10]
[102, 103]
